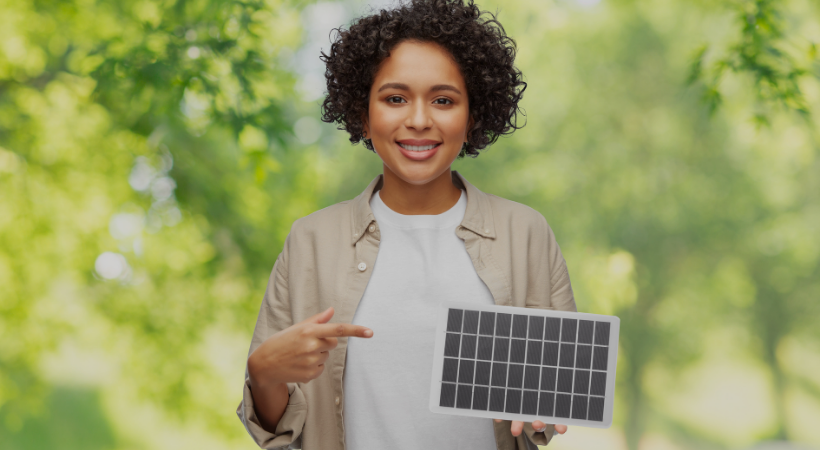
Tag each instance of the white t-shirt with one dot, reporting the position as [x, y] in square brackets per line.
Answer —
[421, 263]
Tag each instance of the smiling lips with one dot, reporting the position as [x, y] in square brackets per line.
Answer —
[418, 149]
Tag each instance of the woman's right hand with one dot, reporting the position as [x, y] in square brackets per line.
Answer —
[297, 354]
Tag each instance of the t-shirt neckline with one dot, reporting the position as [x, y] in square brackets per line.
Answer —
[447, 219]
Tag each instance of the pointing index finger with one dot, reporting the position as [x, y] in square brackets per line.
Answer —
[342, 330]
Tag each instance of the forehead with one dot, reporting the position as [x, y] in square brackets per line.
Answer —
[419, 65]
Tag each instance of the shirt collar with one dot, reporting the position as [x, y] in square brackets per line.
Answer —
[478, 217]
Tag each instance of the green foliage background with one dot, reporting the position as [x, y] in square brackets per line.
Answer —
[151, 164]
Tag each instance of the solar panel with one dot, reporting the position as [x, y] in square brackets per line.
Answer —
[527, 364]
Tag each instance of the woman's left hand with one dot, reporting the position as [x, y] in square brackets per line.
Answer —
[518, 426]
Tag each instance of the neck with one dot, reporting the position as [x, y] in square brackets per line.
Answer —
[431, 198]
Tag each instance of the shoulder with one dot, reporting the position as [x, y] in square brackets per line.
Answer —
[326, 218]
[322, 226]
[517, 216]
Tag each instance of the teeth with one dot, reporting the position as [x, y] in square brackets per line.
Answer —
[416, 148]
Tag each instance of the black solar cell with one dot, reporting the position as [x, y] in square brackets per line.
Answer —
[536, 328]
[546, 404]
[585, 329]
[502, 324]
[532, 376]
[568, 329]
[552, 329]
[601, 333]
[454, 320]
[513, 401]
[482, 373]
[468, 346]
[450, 370]
[487, 323]
[534, 352]
[470, 322]
[519, 326]
[518, 348]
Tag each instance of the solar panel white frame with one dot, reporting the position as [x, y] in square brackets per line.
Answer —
[452, 381]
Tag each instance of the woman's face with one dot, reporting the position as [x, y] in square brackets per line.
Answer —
[418, 112]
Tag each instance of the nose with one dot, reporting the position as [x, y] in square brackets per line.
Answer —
[419, 117]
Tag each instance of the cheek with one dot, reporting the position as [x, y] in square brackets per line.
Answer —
[383, 121]
[455, 126]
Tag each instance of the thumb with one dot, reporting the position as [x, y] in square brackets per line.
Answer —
[322, 317]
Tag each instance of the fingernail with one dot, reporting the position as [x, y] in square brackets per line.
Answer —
[542, 429]
[368, 333]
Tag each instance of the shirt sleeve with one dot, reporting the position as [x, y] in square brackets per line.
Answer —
[274, 315]
[562, 299]
[534, 437]
[561, 296]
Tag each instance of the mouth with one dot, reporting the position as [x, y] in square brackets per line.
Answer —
[418, 148]
[418, 152]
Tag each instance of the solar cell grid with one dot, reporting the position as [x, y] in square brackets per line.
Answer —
[552, 329]
[470, 322]
[454, 320]
[532, 376]
[481, 395]
[465, 371]
[450, 370]
[583, 356]
[519, 329]
[504, 363]
[513, 401]
[515, 376]
[518, 348]
[485, 348]
[487, 323]
[465, 396]
[482, 373]
[550, 354]
[546, 404]
[567, 354]
[534, 352]
[468, 343]
[502, 324]
[585, 328]
[530, 402]
[568, 330]
[501, 349]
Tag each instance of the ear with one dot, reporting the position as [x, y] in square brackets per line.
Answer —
[470, 124]
[365, 126]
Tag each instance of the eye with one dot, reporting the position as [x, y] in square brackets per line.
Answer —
[445, 99]
[389, 99]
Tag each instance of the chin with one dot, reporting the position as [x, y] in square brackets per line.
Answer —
[419, 176]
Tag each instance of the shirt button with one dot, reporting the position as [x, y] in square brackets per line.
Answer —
[337, 401]
[372, 228]
[362, 266]
[486, 230]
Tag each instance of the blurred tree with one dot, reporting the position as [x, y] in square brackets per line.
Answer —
[135, 139]
[776, 53]
[774, 59]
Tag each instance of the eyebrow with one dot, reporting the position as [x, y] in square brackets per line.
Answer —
[404, 87]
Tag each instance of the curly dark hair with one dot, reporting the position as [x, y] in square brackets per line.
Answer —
[479, 45]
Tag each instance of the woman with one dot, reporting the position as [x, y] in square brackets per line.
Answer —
[422, 85]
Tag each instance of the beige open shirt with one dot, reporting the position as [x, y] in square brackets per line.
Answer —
[327, 260]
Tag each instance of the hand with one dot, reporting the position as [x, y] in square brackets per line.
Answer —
[517, 426]
[297, 354]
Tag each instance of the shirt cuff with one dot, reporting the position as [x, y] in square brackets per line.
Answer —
[290, 426]
[538, 438]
